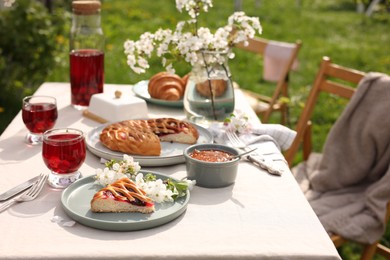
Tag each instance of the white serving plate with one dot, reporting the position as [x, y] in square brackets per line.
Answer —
[171, 153]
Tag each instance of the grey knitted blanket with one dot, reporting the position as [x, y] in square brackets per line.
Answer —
[348, 185]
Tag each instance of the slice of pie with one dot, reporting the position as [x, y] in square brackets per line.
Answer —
[122, 196]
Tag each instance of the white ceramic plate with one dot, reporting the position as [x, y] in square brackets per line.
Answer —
[140, 89]
[171, 153]
[76, 200]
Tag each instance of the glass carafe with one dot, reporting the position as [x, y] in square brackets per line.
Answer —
[86, 53]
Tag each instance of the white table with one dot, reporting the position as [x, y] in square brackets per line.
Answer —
[260, 216]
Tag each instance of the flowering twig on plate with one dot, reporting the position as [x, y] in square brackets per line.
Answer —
[158, 190]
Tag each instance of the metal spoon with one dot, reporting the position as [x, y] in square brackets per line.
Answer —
[241, 154]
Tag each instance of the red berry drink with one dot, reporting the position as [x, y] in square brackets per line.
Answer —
[86, 76]
[63, 152]
[39, 114]
[39, 117]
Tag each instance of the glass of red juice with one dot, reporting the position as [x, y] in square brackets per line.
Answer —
[63, 152]
[86, 76]
[39, 114]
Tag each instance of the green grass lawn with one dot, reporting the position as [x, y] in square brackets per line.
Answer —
[327, 28]
[332, 28]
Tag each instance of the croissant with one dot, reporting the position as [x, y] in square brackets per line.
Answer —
[185, 79]
[218, 87]
[166, 86]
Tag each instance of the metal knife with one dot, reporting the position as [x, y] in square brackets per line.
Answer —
[17, 189]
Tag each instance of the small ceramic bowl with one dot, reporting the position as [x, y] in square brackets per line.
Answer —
[211, 174]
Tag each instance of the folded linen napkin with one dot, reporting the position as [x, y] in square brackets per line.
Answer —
[280, 135]
[270, 139]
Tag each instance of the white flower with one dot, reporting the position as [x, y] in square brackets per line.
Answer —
[184, 45]
[118, 170]
[107, 176]
[190, 183]
[156, 190]
[170, 69]
[8, 3]
[193, 7]
[239, 122]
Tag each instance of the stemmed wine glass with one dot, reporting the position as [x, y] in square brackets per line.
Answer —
[63, 152]
[39, 114]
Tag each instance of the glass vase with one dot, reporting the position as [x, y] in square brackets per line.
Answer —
[209, 94]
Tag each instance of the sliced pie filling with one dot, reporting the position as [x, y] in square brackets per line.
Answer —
[122, 196]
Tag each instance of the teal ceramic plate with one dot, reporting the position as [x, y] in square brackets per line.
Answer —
[140, 89]
[171, 153]
[76, 200]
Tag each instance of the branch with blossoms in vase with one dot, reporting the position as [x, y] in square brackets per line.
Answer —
[8, 3]
[205, 51]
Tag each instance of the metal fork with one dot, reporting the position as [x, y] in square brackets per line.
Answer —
[28, 195]
[256, 158]
[235, 140]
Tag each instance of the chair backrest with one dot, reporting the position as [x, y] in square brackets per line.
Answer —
[327, 80]
[279, 56]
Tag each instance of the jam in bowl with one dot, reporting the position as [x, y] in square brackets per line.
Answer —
[211, 165]
[211, 155]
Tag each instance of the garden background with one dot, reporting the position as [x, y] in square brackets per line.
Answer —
[34, 37]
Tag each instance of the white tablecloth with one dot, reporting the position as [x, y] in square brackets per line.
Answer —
[259, 217]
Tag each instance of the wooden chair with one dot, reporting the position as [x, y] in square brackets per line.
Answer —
[328, 80]
[264, 105]
[369, 250]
